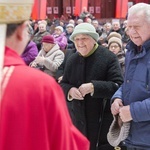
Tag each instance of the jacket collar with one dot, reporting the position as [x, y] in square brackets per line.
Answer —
[132, 47]
[92, 51]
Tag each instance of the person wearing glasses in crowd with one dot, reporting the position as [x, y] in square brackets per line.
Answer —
[115, 45]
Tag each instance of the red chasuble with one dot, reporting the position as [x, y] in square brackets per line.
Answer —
[33, 112]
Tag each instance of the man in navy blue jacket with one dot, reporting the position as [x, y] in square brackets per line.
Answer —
[132, 99]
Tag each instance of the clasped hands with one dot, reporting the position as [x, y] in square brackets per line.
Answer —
[123, 111]
[79, 93]
[39, 60]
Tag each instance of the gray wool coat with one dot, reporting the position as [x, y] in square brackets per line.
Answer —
[52, 59]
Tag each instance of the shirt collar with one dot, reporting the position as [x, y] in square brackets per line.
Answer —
[92, 51]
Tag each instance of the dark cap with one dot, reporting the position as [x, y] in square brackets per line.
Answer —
[48, 39]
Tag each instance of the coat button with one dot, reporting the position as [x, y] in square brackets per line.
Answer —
[117, 148]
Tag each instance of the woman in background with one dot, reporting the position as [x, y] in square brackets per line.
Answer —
[50, 57]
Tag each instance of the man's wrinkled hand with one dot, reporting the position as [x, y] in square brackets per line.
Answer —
[116, 105]
[125, 114]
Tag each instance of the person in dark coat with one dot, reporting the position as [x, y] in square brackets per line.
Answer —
[37, 38]
[116, 27]
[91, 75]
[60, 72]
[61, 68]
[115, 45]
[69, 31]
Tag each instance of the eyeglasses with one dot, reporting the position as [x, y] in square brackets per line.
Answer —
[80, 39]
[114, 46]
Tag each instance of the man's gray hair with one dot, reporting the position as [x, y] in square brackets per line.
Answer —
[140, 8]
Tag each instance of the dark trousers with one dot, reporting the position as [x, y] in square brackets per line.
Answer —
[134, 149]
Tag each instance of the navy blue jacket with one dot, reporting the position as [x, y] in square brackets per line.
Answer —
[135, 92]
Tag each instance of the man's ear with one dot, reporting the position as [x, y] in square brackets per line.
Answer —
[20, 31]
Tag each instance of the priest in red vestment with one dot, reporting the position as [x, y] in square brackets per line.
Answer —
[33, 112]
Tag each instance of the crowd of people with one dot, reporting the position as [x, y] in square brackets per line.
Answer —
[86, 85]
[79, 85]
[108, 34]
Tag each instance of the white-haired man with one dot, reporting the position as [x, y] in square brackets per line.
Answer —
[132, 100]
